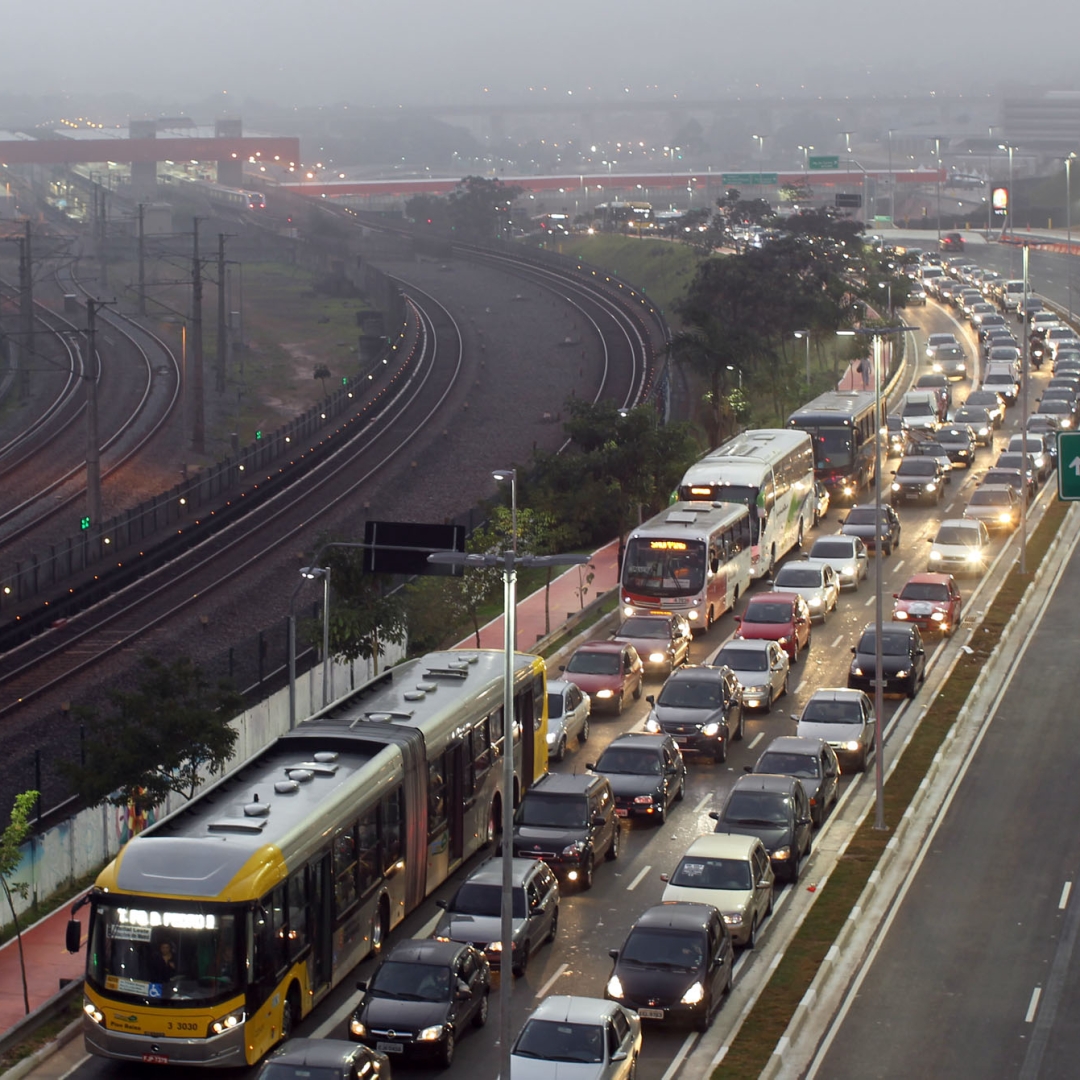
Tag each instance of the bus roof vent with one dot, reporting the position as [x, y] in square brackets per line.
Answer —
[257, 809]
[316, 768]
[301, 776]
[387, 717]
[414, 695]
[427, 687]
[286, 787]
[682, 517]
[454, 671]
[323, 757]
[237, 825]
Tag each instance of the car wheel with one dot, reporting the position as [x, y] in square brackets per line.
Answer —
[640, 688]
[480, 1016]
[289, 1012]
[616, 840]
[824, 614]
[554, 929]
[661, 815]
[770, 697]
[619, 704]
[913, 688]
[584, 736]
[751, 941]
[795, 651]
[560, 750]
[447, 1056]
[888, 549]
[769, 906]
[587, 868]
[721, 753]
[522, 965]
[681, 794]
[702, 1022]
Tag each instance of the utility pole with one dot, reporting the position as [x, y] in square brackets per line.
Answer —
[93, 457]
[26, 310]
[102, 220]
[198, 433]
[142, 262]
[222, 331]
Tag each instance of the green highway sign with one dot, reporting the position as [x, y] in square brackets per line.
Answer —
[1068, 468]
[827, 162]
[748, 178]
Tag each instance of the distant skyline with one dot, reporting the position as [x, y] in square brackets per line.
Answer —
[415, 52]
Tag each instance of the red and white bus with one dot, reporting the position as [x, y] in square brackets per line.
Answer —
[692, 558]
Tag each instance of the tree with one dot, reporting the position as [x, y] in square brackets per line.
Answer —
[322, 373]
[10, 858]
[157, 739]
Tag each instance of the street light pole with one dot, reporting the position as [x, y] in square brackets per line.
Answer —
[508, 562]
[1068, 226]
[1024, 370]
[805, 334]
[511, 475]
[892, 185]
[1010, 200]
[989, 183]
[937, 170]
[311, 573]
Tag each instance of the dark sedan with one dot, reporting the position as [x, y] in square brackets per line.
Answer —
[675, 965]
[700, 708]
[324, 1059]
[959, 443]
[812, 761]
[421, 998]
[903, 660]
[662, 641]
[918, 479]
[860, 523]
[646, 772]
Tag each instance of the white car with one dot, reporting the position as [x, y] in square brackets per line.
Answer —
[962, 546]
[579, 1037]
[816, 582]
[845, 554]
[732, 872]
[844, 718]
[568, 716]
[938, 341]
[760, 667]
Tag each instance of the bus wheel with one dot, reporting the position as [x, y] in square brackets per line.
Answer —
[495, 820]
[380, 927]
[798, 542]
[290, 1011]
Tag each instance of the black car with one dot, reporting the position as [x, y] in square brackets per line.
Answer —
[903, 660]
[569, 822]
[812, 761]
[676, 964]
[897, 435]
[776, 809]
[918, 479]
[860, 523]
[700, 708]
[646, 772]
[421, 998]
[662, 641]
[325, 1059]
[959, 443]
[978, 420]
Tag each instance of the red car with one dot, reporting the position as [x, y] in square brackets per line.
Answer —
[608, 671]
[931, 602]
[780, 617]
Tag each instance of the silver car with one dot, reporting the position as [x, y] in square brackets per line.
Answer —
[845, 554]
[761, 668]
[587, 1038]
[844, 719]
[568, 716]
[815, 582]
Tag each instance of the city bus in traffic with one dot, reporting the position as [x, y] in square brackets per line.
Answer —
[692, 558]
[770, 471]
[844, 429]
[217, 929]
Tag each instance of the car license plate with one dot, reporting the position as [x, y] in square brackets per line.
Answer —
[155, 1059]
[682, 739]
[390, 1047]
[620, 812]
[875, 683]
[651, 1014]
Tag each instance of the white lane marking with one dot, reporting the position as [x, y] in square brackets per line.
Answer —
[839, 638]
[75, 1068]
[337, 1017]
[559, 972]
[705, 800]
[1063, 903]
[898, 566]
[756, 739]
[1033, 1005]
[677, 1061]
[638, 880]
[869, 601]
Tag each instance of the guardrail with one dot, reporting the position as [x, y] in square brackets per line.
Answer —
[50, 1010]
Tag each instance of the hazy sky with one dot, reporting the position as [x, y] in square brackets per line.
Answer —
[307, 52]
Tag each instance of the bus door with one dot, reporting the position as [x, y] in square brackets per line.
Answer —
[321, 920]
[457, 762]
[525, 708]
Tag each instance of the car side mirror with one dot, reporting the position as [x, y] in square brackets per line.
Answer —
[737, 618]
[748, 768]
[714, 814]
[562, 667]
[361, 985]
[896, 596]
[763, 883]
[463, 993]
[920, 652]
[843, 521]
[650, 698]
[665, 877]
[442, 904]
[854, 651]
[796, 717]
[590, 765]
[804, 821]
[73, 936]
[598, 819]
[619, 1055]
[613, 953]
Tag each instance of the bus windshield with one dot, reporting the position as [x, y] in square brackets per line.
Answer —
[168, 956]
[664, 567]
[832, 448]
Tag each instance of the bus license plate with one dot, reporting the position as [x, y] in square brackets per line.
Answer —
[651, 1014]
[390, 1047]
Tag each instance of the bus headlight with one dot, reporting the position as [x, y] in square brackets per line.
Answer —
[692, 615]
[627, 610]
[227, 1023]
[93, 1012]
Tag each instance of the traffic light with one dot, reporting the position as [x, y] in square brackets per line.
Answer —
[84, 522]
[258, 435]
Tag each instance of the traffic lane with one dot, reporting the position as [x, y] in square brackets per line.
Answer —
[982, 925]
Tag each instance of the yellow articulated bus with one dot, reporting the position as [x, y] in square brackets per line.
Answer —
[219, 927]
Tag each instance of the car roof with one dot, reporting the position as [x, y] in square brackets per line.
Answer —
[963, 523]
[775, 783]
[749, 644]
[565, 784]
[581, 1010]
[722, 846]
[837, 693]
[425, 951]
[489, 872]
[639, 739]
[929, 578]
[697, 672]
[676, 915]
[318, 1052]
[560, 686]
[795, 744]
[601, 647]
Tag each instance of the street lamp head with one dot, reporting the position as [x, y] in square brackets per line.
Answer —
[313, 572]
[504, 474]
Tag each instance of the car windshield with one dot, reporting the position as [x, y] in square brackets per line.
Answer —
[645, 627]
[918, 408]
[700, 873]
[820, 711]
[798, 577]
[831, 549]
[553, 811]
[691, 694]
[476, 898]
[1054, 405]
[999, 378]
[768, 611]
[635, 762]
[924, 466]
[942, 339]
[757, 808]
[667, 949]
[411, 982]
[891, 644]
[594, 663]
[986, 497]
[953, 435]
[956, 534]
[664, 567]
[779, 761]
[742, 659]
[862, 516]
[557, 1040]
[924, 590]
[972, 416]
[989, 400]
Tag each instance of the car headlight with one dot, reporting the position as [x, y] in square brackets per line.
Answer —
[900, 616]
[815, 601]
[658, 658]
[903, 674]
[857, 671]
[93, 1012]
[605, 693]
[781, 853]
[733, 918]
[694, 995]
[938, 616]
[974, 556]
[710, 730]
[496, 946]
[754, 689]
[895, 486]
[935, 556]
[929, 351]
[781, 641]
[614, 987]
[938, 367]
[931, 486]
[357, 1028]
[852, 745]
[849, 570]
[431, 1034]
[1005, 517]
[984, 431]
[652, 725]
[576, 848]
[227, 1023]
[552, 736]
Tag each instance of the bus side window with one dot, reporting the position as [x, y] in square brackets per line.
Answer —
[392, 830]
[480, 751]
[367, 845]
[715, 554]
[344, 871]
[495, 721]
[277, 927]
[436, 796]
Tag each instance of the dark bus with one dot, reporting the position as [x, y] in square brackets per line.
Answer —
[842, 426]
